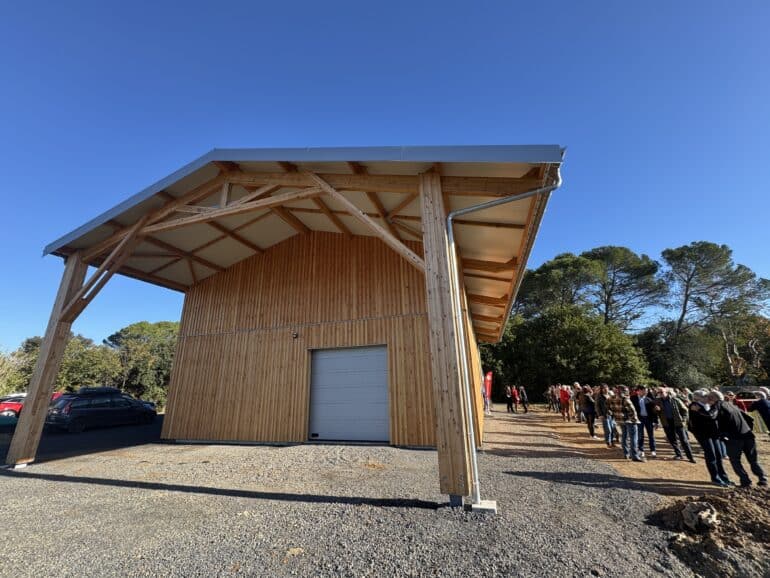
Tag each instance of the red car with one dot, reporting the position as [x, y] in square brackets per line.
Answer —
[11, 405]
[744, 399]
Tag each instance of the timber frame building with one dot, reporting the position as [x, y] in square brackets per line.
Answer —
[330, 293]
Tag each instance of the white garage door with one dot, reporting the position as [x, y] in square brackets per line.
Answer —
[349, 394]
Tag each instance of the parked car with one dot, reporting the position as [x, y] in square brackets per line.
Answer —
[150, 404]
[97, 407]
[11, 405]
[744, 399]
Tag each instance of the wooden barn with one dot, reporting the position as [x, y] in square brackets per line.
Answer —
[334, 294]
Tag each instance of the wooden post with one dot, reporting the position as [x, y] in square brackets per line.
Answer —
[32, 418]
[451, 424]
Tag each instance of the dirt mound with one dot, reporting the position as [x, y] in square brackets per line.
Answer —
[721, 535]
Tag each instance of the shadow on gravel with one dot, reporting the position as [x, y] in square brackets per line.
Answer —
[596, 480]
[228, 492]
[55, 445]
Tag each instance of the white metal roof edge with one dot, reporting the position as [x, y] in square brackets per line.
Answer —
[437, 154]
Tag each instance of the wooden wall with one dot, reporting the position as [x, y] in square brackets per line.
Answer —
[240, 375]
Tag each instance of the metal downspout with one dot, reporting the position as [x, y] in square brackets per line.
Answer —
[459, 321]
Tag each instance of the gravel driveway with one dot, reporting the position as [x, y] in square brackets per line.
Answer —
[195, 510]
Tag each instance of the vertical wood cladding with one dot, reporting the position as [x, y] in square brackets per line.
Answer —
[242, 367]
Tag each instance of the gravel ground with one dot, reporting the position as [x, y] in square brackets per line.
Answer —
[322, 510]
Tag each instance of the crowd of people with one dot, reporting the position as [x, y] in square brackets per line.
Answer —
[631, 418]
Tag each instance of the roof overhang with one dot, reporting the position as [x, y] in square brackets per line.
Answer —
[382, 182]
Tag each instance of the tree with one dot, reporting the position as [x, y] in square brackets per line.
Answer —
[626, 284]
[83, 364]
[563, 281]
[566, 344]
[694, 360]
[9, 374]
[146, 353]
[708, 286]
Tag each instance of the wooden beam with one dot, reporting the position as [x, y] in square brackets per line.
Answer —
[402, 205]
[332, 217]
[291, 220]
[197, 194]
[234, 230]
[357, 168]
[139, 274]
[29, 428]
[382, 233]
[103, 273]
[191, 267]
[236, 237]
[416, 232]
[516, 226]
[487, 300]
[498, 319]
[183, 253]
[266, 203]
[448, 397]
[224, 194]
[173, 261]
[320, 212]
[288, 167]
[408, 230]
[382, 213]
[217, 226]
[487, 277]
[491, 266]
[254, 195]
[227, 166]
[145, 255]
[464, 186]
[147, 277]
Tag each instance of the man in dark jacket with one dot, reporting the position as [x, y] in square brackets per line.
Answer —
[705, 430]
[736, 432]
[646, 416]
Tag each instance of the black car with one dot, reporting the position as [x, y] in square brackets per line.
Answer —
[97, 407]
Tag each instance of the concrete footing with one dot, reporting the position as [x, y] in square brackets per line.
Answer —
[488, 506]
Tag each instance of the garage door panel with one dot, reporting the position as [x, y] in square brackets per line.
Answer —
[349, 394]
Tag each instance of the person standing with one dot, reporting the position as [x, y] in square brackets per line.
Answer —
[524, 398]
[588, 407]
[485, 398]
[647, 419]
[673, 415]
[762, 407]
[576, 392]
[705, 430]
[604, 412]
[735, 430]
[508, 399]
[565, 400]
[515, 396]
[623, 409]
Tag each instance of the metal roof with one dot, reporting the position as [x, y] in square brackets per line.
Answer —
[430, 154]
[494, 244]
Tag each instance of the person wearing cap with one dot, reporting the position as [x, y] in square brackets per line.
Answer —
[735, 430]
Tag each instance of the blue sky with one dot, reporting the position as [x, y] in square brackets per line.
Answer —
[664, 108]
